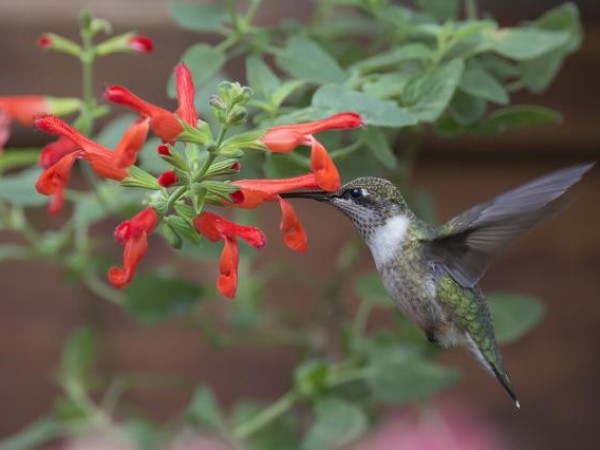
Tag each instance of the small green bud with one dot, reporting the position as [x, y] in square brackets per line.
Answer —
[217, 102]
[237, 116]
[98, 25]
[55, 43]
[140, 178]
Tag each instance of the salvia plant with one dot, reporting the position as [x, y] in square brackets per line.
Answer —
[347, 93]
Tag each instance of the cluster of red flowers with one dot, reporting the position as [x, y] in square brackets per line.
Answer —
[58, 158]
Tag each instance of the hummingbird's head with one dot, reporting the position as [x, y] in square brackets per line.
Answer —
[368, 201]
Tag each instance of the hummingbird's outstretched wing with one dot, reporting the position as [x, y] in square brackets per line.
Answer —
[467, 244]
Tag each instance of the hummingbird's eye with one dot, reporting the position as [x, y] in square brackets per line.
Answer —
[353, 193]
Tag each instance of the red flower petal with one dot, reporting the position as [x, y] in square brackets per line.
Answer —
[54, 179]
[186, 94]
[294, 235]
[135, 249]
[228, 267]
[326, 173]
[54, 151]
[145, 221]
[131, 143]
[56, 203]
[44, 41]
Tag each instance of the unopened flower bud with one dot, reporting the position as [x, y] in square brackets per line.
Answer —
[167, 179]
[54, 42]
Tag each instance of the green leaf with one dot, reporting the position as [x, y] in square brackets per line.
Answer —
[203, 60]
[369, 289]
[513, 315]
[286, 89]
[153, 297]
[426, 96]
[467, 109]
[440, 9]
[387, 85]
[79, 354]
[145, 434]
[204, 410]
[303, 58]
[538, 73]
[401, 376]
[310, 377]
[337, 423]
[525, 43]
[19, 188]
[380, 147]
[408, 52]
[34, 435]
[519, 116]
[479, 83]
[197, 17]
[260, 77]
[15, 158]
[329, 99]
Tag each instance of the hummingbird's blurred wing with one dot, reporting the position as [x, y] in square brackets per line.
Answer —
[467, 244]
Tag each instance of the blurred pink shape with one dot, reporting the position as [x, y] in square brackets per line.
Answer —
[449, 427]
[99, 441]
[193, 441]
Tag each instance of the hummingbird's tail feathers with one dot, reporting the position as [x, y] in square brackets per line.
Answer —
[468, 244]
[492, 362]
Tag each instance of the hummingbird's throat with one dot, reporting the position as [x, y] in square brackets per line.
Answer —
[385, 240]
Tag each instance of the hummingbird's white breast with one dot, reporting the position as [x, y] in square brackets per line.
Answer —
[385, 241]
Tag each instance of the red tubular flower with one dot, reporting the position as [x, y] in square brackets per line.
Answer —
[227, 282]
[100, 158]
[164, 124]
[326, 173]
[167, 179]
[133, 234]
[55, 178]
[140, 44]
[163, 150]
[131, 143]
[186, 94]
[215, 227]
[24, 108]
[294, 235]
[254, 192]
[54, 151]
[285, 138]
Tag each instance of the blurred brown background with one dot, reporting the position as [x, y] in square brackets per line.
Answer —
[556, 368]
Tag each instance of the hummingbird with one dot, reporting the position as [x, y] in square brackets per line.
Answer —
[431, 274]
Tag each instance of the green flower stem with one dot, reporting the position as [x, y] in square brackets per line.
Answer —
[101, 289]
[266, 416]
[361, 318]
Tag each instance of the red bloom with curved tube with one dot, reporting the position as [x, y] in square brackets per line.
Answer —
[100, 158]
[285, 138]
[326, 174]
[215, 227]
[24, 108]
[54, 151]
[164, 123]
[133, 234]
[254, 192]
[294, 235]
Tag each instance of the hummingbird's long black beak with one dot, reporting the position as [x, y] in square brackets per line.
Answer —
[321, 196]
